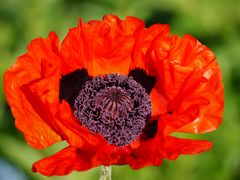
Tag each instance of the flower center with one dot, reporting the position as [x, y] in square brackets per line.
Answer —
[114, 101]
[115, 106]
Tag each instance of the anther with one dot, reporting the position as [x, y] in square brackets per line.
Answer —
[115, 106]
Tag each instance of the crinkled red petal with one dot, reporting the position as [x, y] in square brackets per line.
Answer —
[191, 82]
[152, 151]
[173, 147]
[159, 104]
[102, 47]
[65, 161]
[144, 40]
[38, 127]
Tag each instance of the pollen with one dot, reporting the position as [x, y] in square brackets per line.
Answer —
[115, 106]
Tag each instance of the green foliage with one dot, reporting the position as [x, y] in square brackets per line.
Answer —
[215, 23]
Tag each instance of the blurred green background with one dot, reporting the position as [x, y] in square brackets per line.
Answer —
[216, 23]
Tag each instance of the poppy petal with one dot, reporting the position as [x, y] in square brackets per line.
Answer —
[65, 161]
[152, 150]
[146, 154]
[102, 47]
[144, 40]
[27, 70]
[173, 147]
[191, 81]
[159, 104]
[132, 155]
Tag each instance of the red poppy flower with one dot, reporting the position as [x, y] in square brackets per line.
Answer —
[115, 91]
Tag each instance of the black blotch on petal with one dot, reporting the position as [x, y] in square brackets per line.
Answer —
[71, 84]
[142, 78]
[150, 130]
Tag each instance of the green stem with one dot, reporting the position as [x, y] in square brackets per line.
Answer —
[105, 173]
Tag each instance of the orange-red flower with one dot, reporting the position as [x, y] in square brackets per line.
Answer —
[115, 91]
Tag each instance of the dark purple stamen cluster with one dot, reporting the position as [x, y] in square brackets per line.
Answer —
[115, 106]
